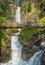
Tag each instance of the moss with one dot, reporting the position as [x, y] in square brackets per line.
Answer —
[3, 42]
[42, 20]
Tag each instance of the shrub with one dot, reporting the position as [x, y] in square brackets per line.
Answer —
[27, 33]
[3, 19]
[42, 20]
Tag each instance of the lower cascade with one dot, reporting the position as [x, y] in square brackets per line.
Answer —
[16, 54]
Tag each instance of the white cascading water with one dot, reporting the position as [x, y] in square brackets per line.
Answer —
[43, 44]
[16, 54]
[16, 49]
[18, 16]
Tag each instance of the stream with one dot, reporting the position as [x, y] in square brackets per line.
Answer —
[16, 49]
[18, 15]
[16, 54]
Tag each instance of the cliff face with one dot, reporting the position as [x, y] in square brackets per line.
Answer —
[30, 46]
[43, 59]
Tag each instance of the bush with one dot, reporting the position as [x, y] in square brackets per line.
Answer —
[29, 7]
[5, 8]
[25, 7]
[42, 20]
[1, 12]
[27, 33]
[3, 19]
[3, 42]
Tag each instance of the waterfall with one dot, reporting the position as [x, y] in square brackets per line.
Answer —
[16, 49]
[18, 16]
[43, 44]
[16, 54]
[34, 60]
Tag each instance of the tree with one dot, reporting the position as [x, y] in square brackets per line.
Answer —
[29, 7]
[5, 7]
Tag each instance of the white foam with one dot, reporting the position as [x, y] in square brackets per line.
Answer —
[43, 44]
[18, 16]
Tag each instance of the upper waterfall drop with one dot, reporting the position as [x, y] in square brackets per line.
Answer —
[18, 15]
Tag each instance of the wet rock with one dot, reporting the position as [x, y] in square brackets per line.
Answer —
[42, 14]
[43, 59]
[43, 44]
[27, 52]
[32, 46]
[35, 41]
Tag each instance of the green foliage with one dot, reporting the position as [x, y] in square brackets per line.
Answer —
[1, 32]
[3, 19]
[5, 8]
[42, 20]
[1, 36]
[41, 5]
[40, 29]
[3, 42]
[29, 7]
[5, 35]
[26, 7]
[42, 1]
[27, 33]
[1, 12]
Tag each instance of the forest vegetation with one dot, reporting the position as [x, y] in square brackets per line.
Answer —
[26, 7]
